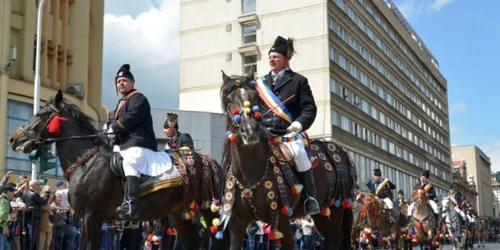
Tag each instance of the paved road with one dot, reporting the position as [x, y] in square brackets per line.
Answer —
[489, 246]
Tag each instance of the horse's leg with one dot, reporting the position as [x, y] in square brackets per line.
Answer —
[285, 228]
[222, 244]
[92, 232]
[237, 227]
[188, 232]
[347, 227]
[329, 229]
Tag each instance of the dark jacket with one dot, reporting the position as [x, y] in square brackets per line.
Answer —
[34, 201]
[431, 192]
[385, 192]
[180, 140]
[302, 106]
[458, 198]
[133, 122]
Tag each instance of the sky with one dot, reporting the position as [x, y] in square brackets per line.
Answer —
[462, 36]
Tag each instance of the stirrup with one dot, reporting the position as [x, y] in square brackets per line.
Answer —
[314, 211]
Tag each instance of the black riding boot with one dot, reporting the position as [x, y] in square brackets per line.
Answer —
[311, 205]
[130, 205]
[436, 217]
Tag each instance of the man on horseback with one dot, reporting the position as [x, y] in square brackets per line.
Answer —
[431, 196]
[456, 198]
[401, 198]
[133, 128]
[176, 139]
[381, 187]
[291, 86]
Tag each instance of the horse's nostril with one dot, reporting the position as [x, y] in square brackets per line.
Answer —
[11, 140]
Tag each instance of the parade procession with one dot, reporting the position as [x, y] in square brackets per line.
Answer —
[248, 125]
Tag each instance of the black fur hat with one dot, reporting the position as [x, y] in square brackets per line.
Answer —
[426, 173]
[283, 46]
[124, 71]
[377, 172]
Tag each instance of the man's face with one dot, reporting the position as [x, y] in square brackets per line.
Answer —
[61, 187]
[423, 179]
[124, 85]
[377, 178]
[10, 194]
[277, 62]
[452, 191]
[400, 196]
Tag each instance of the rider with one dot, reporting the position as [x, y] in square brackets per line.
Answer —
[133, 126]
[431, 195]
[283, 82]
[176, 139]
[382, 187]
[456, 199]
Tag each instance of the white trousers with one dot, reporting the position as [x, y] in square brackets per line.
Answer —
[462, 214]
[433, 204]
[388, 202]
[298, 150]
[137, 161]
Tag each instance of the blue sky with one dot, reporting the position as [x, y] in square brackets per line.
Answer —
[463, 35]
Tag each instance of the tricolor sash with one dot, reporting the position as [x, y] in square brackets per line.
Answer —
[381, 186]
[453, 200]
[272, 101]
[427, 187]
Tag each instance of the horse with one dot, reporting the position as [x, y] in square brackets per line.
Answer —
[423, 220]
[453, 224]
[261, 181]
[95, 191]
[378, 228]
[402, 226]
[481, 233]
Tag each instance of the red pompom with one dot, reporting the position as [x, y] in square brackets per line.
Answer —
[345, 203]
[257, 115]
[213, 229]
[55, 124]
[235, 111]
[150, 237]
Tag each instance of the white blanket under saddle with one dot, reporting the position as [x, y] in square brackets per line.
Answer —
[148, 162]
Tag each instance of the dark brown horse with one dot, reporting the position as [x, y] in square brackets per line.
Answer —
[260, 181]
[377, 220]
[95, 191]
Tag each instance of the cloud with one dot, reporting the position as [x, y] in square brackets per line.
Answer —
[149, 42]
[438, 4]
[454, 128]
[493, 151]
[458, 108]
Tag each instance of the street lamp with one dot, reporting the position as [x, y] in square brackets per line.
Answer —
[36, 95]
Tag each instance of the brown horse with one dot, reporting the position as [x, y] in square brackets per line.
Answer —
[261, 182]
[377, 221]
[95, 191]
[423, 219]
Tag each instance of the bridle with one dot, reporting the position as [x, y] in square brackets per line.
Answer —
[37, 138]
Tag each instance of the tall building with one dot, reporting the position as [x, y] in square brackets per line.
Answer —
[378, 88]
[71, 60]
[464, 182]
[479, 166]
[495, 186]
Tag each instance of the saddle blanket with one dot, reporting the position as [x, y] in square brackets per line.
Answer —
[150, 163]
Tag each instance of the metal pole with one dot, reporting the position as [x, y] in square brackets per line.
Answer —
[36, 95]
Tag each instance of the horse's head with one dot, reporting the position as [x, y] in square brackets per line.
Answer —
[419, 196]
[372, 208]
[240, 102]
[52, 121]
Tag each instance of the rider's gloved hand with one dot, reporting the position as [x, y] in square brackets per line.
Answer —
[111, 133]
[295, 127]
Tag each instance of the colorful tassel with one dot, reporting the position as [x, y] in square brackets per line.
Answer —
[214, 208]
[235, 111]
[54, 126]
[345, 203]
[255, 108]
[148, 245]
[257, 115]
[246, 104]
[296, 189]
[156, 240]
[232, 137]
[237, 83]
[253, 83]
[216, 222]
[286, 210]
[213, 229]
[330, 202]
[237, 118]
[247, 111]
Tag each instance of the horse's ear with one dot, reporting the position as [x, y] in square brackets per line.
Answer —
[59, 98]
[225, 77]
[250, 74]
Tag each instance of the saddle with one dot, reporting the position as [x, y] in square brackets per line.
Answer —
[148, 184]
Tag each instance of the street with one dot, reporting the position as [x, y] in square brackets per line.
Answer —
[489, 246]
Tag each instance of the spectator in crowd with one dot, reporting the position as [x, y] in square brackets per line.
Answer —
[63, 190]
[8, 192]
[46, 225]
[307, 225]
[34, 202]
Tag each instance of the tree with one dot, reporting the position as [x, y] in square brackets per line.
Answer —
[497, 176]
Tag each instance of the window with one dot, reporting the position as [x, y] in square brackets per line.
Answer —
[354, 71]
[382, 118]
[344, 122]
[248, 6]
[389, 98]
[363, 78]
[333, 85]
[350, 13]
[249, 61]
[383, 143]
[341, 32]
[335, 118]
[249, 33]
[18, 113]
[361, 24]
[352, 42]
[374, 113]
[340, 3]
[391, 148]
[342, 62]
[381, 92]
[355, 129]
[331, 54]
[331, 23]
[364, 106]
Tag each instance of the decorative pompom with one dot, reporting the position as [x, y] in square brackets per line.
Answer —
[345, 203]
[171, 231]
[150, 237]
[286, 210]
[235, 111]
[232, 137]
[205, 205]
[296, 189]
[54, 126]
[325, 211]
[214, 208]
[219, 235]
[278, 235]
[252, 82]
[148, 244]
[246, 104]
[272, 140]
[257, 115]
[213, 229]
[247, 111]
[255, 108]
[237, 83]
[216, 222]
[156, 240]
[337, 203]
[330, 202]
[419, 226]
[237, 118]
[278, 140]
